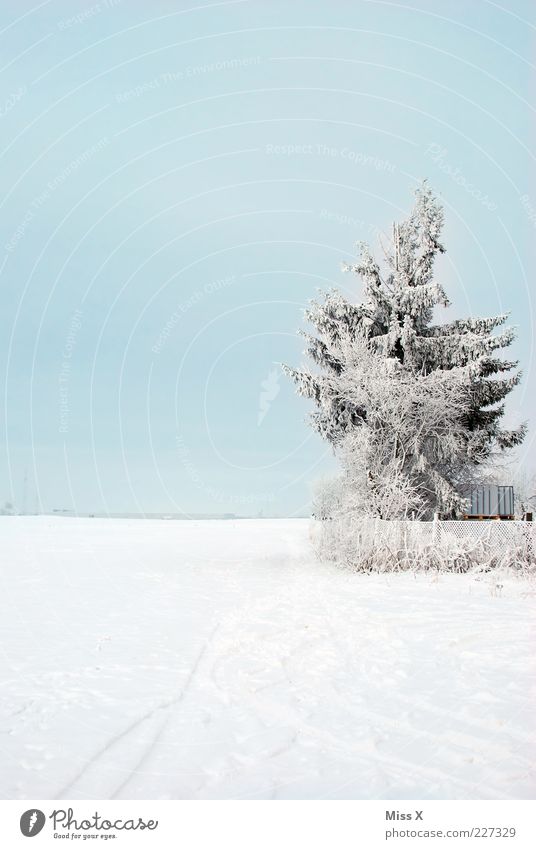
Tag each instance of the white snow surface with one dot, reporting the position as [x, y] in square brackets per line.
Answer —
[217, 660]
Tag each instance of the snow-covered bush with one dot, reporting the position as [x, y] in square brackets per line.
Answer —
[376, 545]
[328, 496]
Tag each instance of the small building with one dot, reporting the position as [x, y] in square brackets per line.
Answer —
[490, 502]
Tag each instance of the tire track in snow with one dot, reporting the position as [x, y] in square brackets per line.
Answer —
[112, 743]
[175, 701]
[294, 552]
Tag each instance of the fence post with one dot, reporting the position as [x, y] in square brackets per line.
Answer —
[436, 531]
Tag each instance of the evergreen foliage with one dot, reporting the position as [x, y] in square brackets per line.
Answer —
[395, 323]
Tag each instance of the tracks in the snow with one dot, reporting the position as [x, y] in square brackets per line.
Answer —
[165, 706]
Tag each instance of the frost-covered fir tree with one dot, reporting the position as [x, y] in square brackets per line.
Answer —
[396, 320]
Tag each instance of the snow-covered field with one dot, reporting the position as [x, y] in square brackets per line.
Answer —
[163, 659]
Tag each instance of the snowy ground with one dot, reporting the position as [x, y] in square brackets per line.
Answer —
[165, 659]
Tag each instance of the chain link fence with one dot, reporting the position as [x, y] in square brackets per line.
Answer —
[385, 545]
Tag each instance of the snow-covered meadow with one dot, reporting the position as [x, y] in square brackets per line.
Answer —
[217, 659]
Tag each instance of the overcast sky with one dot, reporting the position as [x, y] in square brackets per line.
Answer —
[179, 178]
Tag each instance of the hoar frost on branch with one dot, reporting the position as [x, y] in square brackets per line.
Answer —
[411, 407]
[410, 444]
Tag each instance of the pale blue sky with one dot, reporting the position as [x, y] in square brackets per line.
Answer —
[177, 181]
